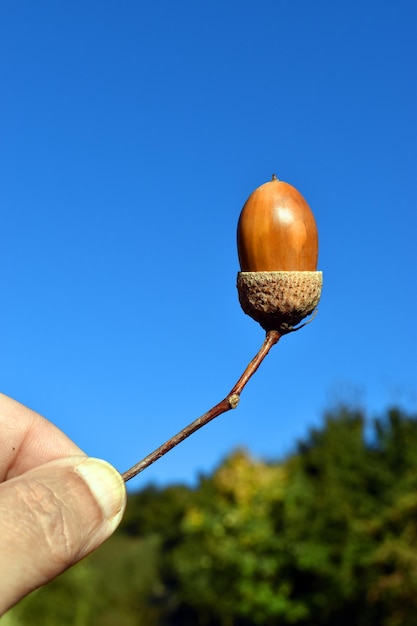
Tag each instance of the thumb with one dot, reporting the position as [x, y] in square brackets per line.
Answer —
[53, 516]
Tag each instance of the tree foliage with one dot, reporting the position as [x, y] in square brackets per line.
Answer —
[327, 536]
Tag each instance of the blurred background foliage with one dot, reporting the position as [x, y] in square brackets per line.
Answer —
[326, 536]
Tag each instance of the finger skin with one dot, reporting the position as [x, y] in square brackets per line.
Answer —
[27, 439]
[56, 504]
[50, 518]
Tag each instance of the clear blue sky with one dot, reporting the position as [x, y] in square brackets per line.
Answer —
[131, 134]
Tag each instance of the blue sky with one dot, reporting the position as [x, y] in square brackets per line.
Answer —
[131, 134]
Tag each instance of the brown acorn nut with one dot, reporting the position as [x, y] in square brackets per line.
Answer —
[278, 250]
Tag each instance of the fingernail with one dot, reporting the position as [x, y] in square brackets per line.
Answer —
[107, 487]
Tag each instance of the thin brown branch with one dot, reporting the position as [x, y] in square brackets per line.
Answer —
[229, 402]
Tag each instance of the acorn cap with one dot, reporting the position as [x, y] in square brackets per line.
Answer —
[279, 300]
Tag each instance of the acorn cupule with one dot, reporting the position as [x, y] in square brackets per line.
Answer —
[279, 300]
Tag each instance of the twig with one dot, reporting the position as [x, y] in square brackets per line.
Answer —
[229, 402]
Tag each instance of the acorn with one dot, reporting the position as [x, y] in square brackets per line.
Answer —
[277, 242]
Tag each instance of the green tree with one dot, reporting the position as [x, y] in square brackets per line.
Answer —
[328, 536]
[350, 518]
[230, 560]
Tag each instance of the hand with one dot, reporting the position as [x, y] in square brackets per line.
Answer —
[56, 504]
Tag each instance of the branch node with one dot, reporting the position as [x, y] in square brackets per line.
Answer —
[233, 400]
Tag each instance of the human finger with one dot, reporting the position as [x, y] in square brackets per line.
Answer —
[27, 439]
[51, 517]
